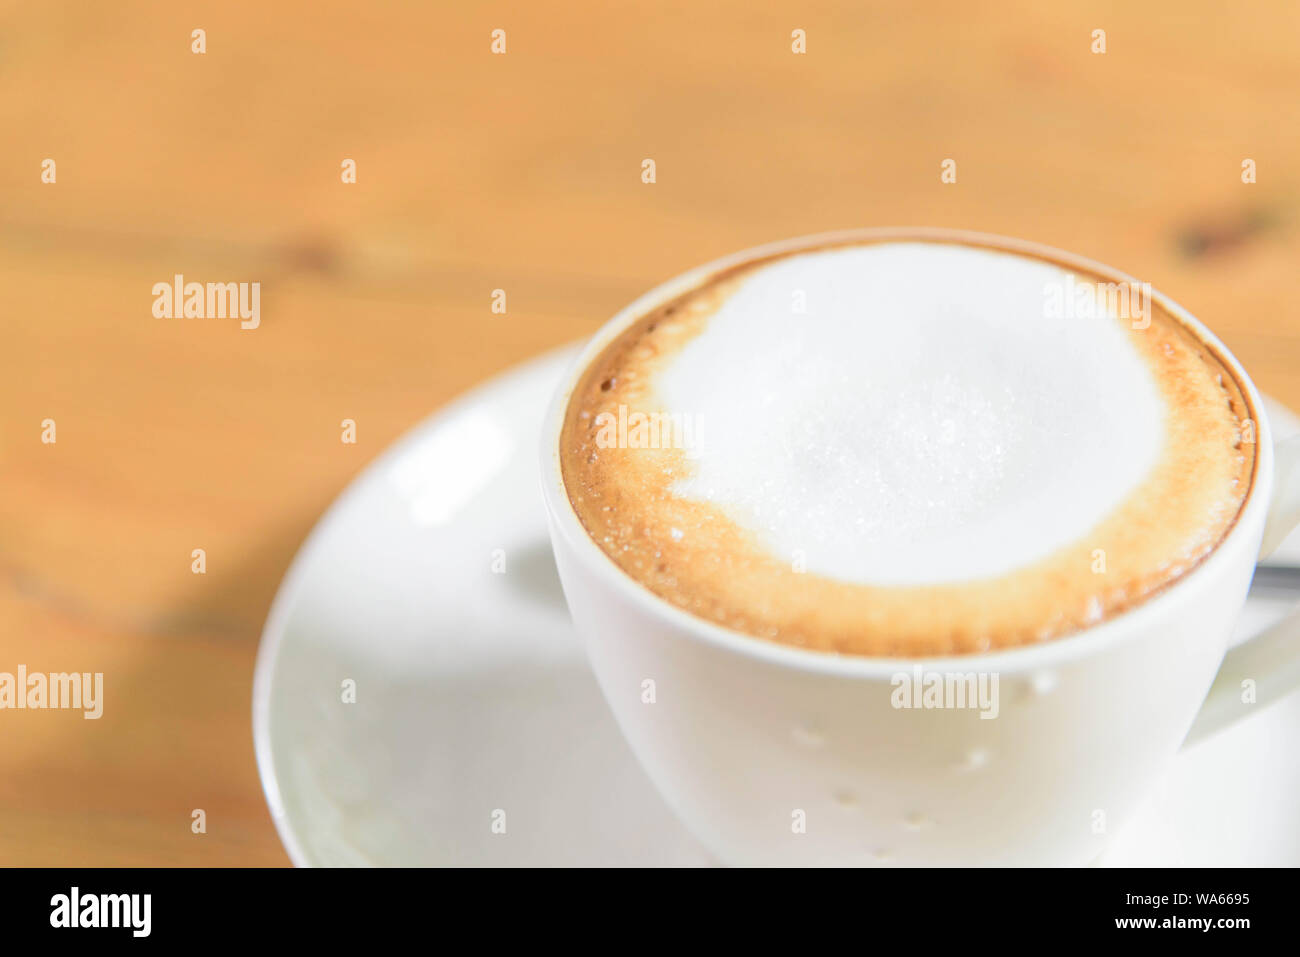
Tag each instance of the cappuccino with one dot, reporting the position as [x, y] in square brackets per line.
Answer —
[907, 448]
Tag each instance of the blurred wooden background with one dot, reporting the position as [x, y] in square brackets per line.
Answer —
[474, 172]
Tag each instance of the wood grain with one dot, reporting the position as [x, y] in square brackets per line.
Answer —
[478, 172]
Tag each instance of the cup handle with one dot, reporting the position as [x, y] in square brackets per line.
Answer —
[1270, 659]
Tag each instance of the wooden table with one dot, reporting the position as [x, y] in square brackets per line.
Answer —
[478, 172]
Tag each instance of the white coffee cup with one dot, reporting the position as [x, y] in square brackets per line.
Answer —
[776, 755]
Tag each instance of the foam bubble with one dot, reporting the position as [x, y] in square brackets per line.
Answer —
[925, 419]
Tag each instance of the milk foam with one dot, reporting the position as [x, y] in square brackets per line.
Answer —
[923, 420]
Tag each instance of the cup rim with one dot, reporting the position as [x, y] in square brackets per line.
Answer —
[1020, 658]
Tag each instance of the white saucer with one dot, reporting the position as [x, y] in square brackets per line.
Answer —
[430, 584]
